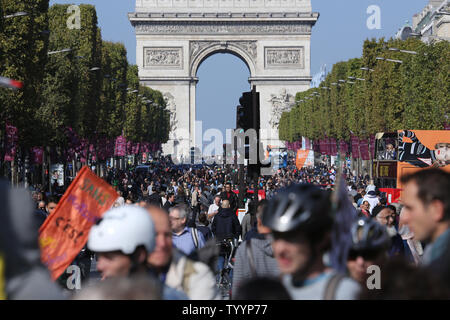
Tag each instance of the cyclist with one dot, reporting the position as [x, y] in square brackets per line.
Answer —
[301, 221]
[122, 240]
[254, 257]
[370, 244]
[225, 227]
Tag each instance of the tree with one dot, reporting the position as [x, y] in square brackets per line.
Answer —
[133, 107]
[24, 55]
[114, 93]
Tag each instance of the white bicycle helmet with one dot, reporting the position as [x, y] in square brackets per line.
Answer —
[123, 229]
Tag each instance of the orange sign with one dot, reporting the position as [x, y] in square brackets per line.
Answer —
[302, 155]
[421, 149]
[65, 232]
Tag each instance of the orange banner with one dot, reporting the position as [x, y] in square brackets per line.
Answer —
[302, 155]
[65, 232]
[435, 147]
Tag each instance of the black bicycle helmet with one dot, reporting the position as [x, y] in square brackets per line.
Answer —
[302, 207]
[368, 234]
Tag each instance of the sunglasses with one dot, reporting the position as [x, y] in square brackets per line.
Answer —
[365, 254]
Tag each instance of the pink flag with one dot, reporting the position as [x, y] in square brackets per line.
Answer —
[38, 154]
[364, 149]
[355, 147]
[120, 148]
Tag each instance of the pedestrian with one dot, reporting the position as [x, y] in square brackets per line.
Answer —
[121, 241]
[410, 242]
[254, 257]
[25, 277]
[369, 246]
[373, 200]
[301, 222]
[184, 238]
[426, 199]
[52, 202]
[170, 201]
[204, 226]
[386, 217]
[214, 208]
[225, 227]
[174, 268]
[229, 195]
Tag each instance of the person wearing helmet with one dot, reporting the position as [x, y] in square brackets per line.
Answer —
[301, 222]
[122, 240]
[370, 244]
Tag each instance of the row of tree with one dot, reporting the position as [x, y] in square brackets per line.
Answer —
[91, 89]
[367, 95]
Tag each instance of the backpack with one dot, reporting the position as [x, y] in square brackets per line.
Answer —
[194, 234]
[330, 290]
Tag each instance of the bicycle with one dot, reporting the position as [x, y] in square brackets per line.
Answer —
[224, 282]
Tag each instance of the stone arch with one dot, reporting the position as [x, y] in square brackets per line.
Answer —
[272, 37]
[244, 50]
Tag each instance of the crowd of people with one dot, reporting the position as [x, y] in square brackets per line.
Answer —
[165, 236]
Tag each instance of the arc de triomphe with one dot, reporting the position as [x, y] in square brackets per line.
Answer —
[272, 37]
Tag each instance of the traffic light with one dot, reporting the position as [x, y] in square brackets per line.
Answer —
[243, 119]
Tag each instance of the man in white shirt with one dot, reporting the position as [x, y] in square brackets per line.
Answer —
[214, 208]
[150, 189]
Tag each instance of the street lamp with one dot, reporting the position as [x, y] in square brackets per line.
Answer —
[94, 69]
[59, 51]
[367, 69]
[17, 14]
[404, 51]
[360, 79]
[391, 60]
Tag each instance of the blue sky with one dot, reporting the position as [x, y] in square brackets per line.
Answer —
[337, 36]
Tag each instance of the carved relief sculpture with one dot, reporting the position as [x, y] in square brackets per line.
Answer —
[280, 103]
[163, 57]
[285, 57]
[171, 106]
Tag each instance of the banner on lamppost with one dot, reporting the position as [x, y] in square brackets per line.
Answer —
[343, 147]
[364, 149]
[11, 142]
[355, 147]
[372, 146]
[121, 147]
[38, 155]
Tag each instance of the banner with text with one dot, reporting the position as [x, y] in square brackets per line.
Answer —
[65, 232]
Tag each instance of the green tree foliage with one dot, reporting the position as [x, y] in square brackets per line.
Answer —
[24, 55]
[62, 89]
[61, 80]
[133, 107]
[114, 93]
[385, 97]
